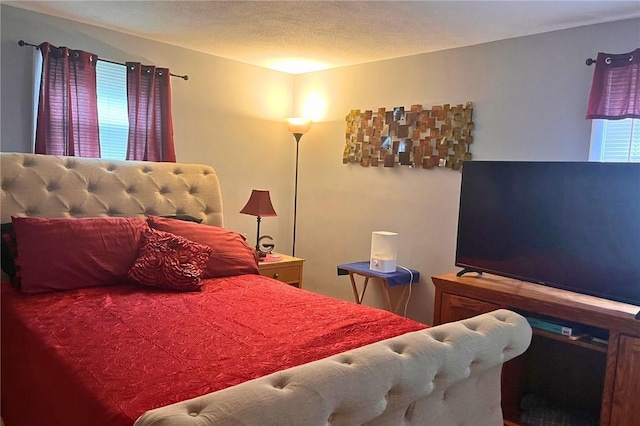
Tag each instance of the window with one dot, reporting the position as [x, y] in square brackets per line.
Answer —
[615, 140]
[113, 119]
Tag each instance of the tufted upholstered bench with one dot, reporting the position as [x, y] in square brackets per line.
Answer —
[441, 376]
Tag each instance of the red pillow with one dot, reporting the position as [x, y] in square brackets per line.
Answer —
[230, 253]
[170, 262]
[64, 254]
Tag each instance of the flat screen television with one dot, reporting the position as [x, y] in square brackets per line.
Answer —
[570, 225]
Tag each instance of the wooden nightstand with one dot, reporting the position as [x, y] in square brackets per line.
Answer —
[287, 270]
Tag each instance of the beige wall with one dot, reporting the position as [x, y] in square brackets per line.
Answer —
[529, 98]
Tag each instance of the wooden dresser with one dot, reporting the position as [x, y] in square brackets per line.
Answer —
[577, 374]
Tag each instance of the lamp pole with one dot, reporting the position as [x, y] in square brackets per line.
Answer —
[258, 236]
[295, 195]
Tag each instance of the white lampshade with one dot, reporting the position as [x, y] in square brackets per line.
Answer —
[298, 125]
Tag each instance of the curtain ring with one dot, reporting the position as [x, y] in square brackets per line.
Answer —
[607, 60]
[147, 70]
[631, 58]
[159, 72]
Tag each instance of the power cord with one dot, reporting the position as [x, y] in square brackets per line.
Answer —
[406, 304]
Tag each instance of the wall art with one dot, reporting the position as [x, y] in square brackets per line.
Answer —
[437, 137]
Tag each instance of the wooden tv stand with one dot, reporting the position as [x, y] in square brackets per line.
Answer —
[580, 374]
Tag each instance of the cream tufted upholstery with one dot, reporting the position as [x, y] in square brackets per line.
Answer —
[445, 375]
[54, 186]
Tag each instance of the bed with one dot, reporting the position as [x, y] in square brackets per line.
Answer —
[135, 337]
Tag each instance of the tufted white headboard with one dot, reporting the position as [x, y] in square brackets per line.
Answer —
[57, 186]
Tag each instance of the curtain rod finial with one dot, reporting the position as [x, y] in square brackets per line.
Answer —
[590, 61]
[21, 43]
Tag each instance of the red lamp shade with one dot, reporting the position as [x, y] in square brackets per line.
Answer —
[259, 204]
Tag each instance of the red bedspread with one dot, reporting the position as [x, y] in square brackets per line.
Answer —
[105, 355]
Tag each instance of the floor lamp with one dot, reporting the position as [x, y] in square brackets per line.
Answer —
[298, 127]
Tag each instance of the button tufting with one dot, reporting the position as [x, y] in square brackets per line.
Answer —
[398, 349]
[438, 337]
[471, 327]
[111, 168]
[409, 411]
[193, 414]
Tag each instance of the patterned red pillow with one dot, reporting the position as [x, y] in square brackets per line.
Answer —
[169, 261]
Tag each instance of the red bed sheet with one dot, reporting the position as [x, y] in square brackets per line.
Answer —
[103, 356]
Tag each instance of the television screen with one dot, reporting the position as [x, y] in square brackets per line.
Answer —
[570, 225]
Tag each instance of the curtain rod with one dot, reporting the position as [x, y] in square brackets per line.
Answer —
[23, 43]
[620, 57]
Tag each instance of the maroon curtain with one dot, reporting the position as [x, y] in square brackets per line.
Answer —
[615, 90]
[150, 121]
[67, 121]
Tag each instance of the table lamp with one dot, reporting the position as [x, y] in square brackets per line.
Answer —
[259, 205]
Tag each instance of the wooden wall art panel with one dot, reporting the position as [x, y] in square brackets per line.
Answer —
[417, 137]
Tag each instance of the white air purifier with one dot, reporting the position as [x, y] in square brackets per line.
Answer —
[384, 251]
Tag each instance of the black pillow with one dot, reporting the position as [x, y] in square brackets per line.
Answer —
[185, 217]
[9, 250]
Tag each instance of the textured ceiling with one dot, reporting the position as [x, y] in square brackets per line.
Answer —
[301, 36]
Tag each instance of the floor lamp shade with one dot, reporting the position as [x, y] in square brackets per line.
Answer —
[298, 125]
[259, 205]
